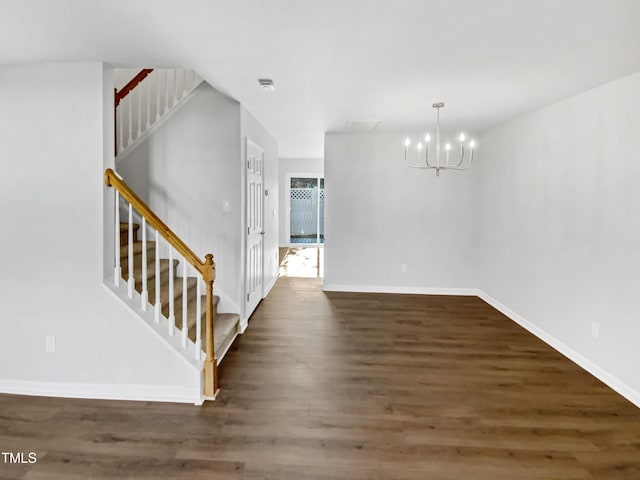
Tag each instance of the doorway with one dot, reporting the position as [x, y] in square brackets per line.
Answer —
[305, 226]
[306, 210]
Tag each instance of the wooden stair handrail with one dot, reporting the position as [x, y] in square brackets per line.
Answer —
[133, 83]
[206, 268]
[111, 179]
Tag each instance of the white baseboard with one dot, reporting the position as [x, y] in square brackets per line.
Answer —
[601, 374]
[154, 393]
[406, 290]
[271, 283]
[244, 323]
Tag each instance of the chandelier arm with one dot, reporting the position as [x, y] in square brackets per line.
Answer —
[426, 158]
[467, 167]
[461, 156]
[423, 167]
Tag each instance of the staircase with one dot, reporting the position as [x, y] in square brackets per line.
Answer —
[226, 325]
[171, 305]
[148, 256]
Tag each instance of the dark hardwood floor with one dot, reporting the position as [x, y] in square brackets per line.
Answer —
[351, 387]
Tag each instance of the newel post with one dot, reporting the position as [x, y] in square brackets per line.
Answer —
[210, 362]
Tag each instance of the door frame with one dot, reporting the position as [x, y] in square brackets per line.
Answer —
[287, 210]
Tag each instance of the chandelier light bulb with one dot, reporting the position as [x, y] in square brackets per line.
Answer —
[472, 144]
[407, 142]
[447, 147]
[419, 146]
[462, 137]
[427, 138]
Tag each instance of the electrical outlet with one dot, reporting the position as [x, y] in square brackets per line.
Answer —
[403, 267]
[595, 329]
[50, 344]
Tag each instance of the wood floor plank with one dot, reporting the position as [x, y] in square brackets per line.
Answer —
[337, 386]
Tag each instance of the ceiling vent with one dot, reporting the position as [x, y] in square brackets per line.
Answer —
[361, 125]
[267, 84]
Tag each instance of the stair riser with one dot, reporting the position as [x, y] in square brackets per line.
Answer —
[191, 314]
[137, 254]
[137, 258]
[164, 291]
[151, 270]
[164, 288]
[124, 233]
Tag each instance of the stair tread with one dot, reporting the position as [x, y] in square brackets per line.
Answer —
[137, 249]
[177, 292]
[226, 324]
[151, 273]
[225, 327]
[125, 226]
[192, 307]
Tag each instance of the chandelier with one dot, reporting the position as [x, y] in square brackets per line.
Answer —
[422, 151]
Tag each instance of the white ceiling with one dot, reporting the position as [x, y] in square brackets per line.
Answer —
[335, 61]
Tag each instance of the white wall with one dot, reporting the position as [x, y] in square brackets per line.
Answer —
[122, 76]
[252, 129]
[185, 170]
[380, 214]
[52, 136]
[559, 230]
[288, 166]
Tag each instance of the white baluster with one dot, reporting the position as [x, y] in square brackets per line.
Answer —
[120, 123]
[130, 103]
[131, 283]
[172, 316]
[175, 86]
[138, 92]
[198, 319]
[184, 304]
[158, 306]
[184, 82]
[157, 77]
[117, 271]
[145, 293]
[166, 87]
[148, 82]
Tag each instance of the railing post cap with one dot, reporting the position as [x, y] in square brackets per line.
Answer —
[209, 270]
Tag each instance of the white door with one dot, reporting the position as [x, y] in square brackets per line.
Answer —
[255, 229]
